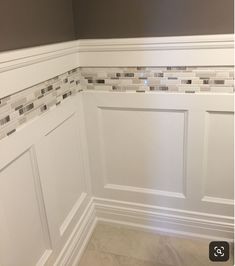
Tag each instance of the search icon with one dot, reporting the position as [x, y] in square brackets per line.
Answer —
[219, 251]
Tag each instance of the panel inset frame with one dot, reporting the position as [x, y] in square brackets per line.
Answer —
[208, 198]
[156, 192]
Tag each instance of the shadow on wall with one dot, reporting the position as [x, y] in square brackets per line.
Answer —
[151, 18]
[29, 23]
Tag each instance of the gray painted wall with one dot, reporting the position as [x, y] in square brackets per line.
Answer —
[26, 23]
[151, 18]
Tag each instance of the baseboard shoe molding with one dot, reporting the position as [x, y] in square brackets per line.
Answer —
[196, 225]
[76, 244]
[140, 217]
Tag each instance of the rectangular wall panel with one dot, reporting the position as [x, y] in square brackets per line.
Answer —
[61, 172]
[144, 148]
[22, 241]
[162, 149]
[219, 155]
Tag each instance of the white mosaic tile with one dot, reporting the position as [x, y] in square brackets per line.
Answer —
[17, 109]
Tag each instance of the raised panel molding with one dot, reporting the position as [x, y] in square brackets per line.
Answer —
[218, 176]
[218, 200]
[61, 172]
[19, 209]
[23, 200]
[139, 160]
[122, 129]
[145, 191]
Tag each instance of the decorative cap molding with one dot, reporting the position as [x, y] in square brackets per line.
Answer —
[20, 69]
[157, 43]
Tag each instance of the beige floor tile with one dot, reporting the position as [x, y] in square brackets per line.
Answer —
[184, 252]
[113, 245]
[96, 258]
[125, 242]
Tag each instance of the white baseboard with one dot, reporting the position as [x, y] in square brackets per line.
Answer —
[76, 244]
[143, 217]
[165, 220]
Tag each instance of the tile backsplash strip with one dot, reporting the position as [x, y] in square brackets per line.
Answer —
[25, 105]
[168, 79]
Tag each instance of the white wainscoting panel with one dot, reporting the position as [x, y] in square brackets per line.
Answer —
[149, 141]
[20, 217]
[149, 148]
[45, 196]
[61, 172]
[155, 160]
[219, 154]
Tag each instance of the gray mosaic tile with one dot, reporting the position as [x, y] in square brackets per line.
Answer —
[169, 79]
[19, 108]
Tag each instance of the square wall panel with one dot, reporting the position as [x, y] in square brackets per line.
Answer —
[144, 148]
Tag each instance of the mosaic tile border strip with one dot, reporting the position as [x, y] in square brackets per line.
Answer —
[25, 105]
[167, 79]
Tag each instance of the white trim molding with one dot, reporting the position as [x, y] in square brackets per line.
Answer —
[23, 68]
[20, 58]
[156, 219]
[78, 240]
[205, 50]
[165, 220]
[157, 43]
[145, 190]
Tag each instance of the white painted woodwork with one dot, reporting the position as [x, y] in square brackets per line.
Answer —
[60, 166]
[44, 192]
[219, 163]
[38, 63]
[44, 62]
[139, 143]
[151, 149]
[21, 228]
[169, 221]
[205, 50]
[157, 161]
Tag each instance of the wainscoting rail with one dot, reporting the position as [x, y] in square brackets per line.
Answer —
[19, 58]
[157, 43]
[24, 68]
